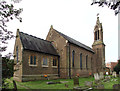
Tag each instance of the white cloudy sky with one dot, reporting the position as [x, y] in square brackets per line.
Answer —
[75, 18]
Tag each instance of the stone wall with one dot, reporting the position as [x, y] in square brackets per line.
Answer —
[76, 69]
[18, 66]
[62, 47]
[38, 68]
[59, 43]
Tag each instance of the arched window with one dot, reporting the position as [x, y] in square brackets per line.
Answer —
[95, 35]
[81, 61]
[91, 62]
[34, 60]
[98, 35]
[31, 59]
[73, 58]
[87, 62]
[17, 53]
[54, 62]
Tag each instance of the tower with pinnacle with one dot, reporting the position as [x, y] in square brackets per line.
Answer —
[99, 47]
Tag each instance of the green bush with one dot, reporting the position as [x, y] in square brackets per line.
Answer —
[117, 67]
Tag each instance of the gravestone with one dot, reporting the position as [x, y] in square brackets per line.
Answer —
[119, 78]
[96, 76]
[116, 86]
[51, 82]
[81, 89]
[107, 77]
[101, 86]
[114, 74]
[119, 74]
[88, 83]
[101, 75]
[76, 80]
[64, 81]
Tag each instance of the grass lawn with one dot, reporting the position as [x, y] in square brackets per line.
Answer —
[42, 84]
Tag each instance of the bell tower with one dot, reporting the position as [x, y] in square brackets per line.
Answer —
[99, 47]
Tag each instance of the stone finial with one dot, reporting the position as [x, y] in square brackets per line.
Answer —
[18, 30]
[51, 27]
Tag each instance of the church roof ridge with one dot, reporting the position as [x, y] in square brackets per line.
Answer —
[34, 43]
[35, 37]
[73, 41]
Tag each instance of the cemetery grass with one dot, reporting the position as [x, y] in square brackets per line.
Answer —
[41, 84]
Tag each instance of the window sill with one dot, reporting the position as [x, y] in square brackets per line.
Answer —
[44, 65]
[33, 65]
[54, 66]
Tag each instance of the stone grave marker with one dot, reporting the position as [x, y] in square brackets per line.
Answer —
[119, 74]
[96, 76]
[76, 80]
[107, 77]
[101, 86]
[101, 75]
[116, 86]
[81, 89]
[114, 74]
[88, 83]
[119, 78]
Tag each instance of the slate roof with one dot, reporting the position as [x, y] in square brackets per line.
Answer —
[33, 43]
[75, 42]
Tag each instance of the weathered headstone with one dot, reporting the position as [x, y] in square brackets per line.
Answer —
[114, 74]
[119, 73]
[51, 82]
[119, 78]
[88, 83]
[116, 86]
[107, 77]
[101, 86]
[101, 75]
[64, 81]
[81, 89]
[76, 80]
[96, 76]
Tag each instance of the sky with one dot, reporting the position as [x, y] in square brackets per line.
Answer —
[75, 18]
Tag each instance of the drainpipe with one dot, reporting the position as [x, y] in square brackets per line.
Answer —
[69, 63]
[58, 66]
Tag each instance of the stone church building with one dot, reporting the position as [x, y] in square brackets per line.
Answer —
[59, 56]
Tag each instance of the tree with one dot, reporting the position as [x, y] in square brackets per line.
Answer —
[117, 67]
[7, 13]
[112, 4]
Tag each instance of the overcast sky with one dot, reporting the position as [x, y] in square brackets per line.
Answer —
[75, 18]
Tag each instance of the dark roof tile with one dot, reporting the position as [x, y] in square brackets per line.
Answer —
[33, 43]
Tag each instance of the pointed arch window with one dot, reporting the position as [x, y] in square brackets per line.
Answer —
[91, 62]
[95, 35]
[17, 53]
[98, 35]
[73, 58]
[81, 61]
[32, 60]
